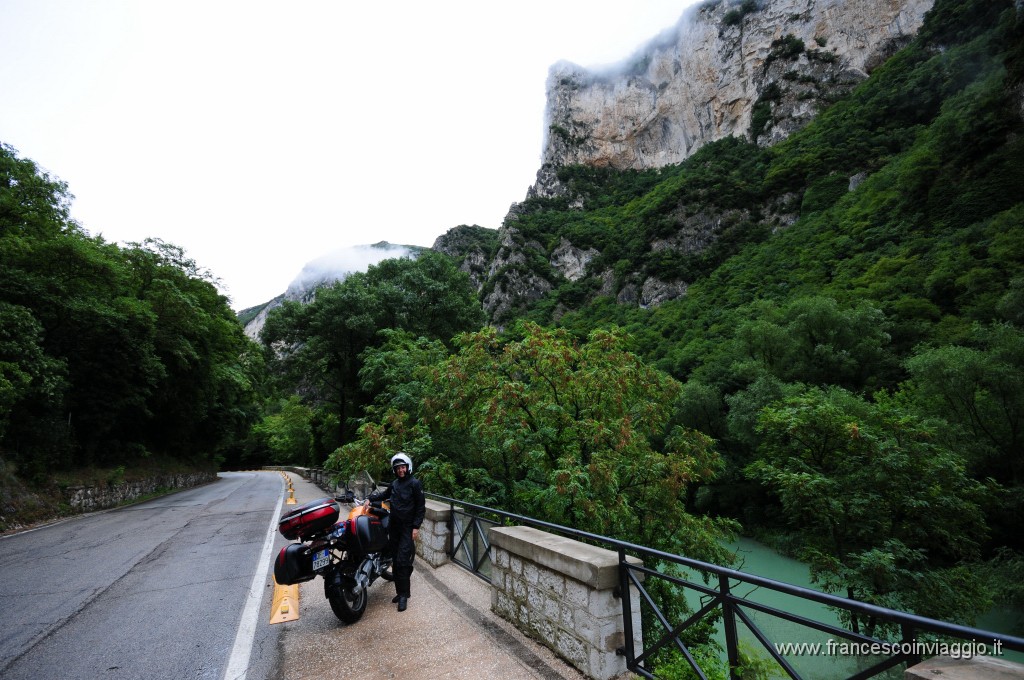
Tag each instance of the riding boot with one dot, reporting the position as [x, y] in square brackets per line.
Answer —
[402, 585]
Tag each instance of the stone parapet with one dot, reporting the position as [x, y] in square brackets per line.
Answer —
[435, 536]
[975, 668]
[562, 593]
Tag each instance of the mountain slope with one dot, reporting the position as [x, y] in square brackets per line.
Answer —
[926, 148]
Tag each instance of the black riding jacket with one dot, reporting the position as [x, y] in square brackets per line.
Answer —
[408, 504]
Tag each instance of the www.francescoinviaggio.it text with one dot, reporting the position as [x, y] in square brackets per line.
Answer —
[958, 650]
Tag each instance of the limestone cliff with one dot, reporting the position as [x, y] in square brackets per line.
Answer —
[756, 69]
[759, 70]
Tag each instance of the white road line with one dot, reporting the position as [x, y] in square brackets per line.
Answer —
[238, 664]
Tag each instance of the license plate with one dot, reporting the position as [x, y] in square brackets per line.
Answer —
[321, 559]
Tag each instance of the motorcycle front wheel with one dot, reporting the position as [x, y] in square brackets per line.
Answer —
[347, 606]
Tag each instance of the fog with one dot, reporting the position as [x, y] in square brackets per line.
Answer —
[335, 266]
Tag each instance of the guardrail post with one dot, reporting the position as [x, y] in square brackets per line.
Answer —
[729, 622]
[627, 612]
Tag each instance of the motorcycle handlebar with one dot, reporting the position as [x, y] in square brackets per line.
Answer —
[350, 497]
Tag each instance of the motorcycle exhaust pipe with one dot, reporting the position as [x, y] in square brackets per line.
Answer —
[339, 583]
[366, 574]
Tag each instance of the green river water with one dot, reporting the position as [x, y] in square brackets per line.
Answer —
[756, 558]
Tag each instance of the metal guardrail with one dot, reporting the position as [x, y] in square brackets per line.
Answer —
[470, 549]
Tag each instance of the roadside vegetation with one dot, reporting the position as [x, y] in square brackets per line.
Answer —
[844, 377]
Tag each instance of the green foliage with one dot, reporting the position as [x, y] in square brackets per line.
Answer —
[886, 513]
[788, 47]
[396, 373]
[735, 16]
[467, 238]
[575, 433]
[754, 665]
[1005, 572]
[958, 21]
[32, 204]
[107, 353]
[824, 193]
[288, 433]
[815, 340]
[879, 248]
[978, 388]
[322, 344]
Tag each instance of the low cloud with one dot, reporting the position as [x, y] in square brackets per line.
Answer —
[337, 265]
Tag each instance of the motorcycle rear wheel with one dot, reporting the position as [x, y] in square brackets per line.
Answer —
[346, 606]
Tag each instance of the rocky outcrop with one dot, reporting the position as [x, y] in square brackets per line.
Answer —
[511, 279]
[473, 246]
[570, 261]
[758, 70]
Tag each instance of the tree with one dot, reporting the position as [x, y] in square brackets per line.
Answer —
[321, 344]
[884, 513]
[288, 433]
[577, 432]
[396, 372]
[978, 388]
[816, 340]
[32, 204]
[109, 354]
[32, 388]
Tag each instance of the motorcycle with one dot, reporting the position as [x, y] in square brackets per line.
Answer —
[347, 553]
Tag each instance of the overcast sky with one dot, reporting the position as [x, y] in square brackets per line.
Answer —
[261, 135]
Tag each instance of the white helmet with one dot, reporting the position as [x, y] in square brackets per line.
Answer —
[401, 459]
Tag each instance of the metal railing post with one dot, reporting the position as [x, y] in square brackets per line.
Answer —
[729, 623]
[451, 529]
[627, 612]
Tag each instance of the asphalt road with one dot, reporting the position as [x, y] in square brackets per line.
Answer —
[154, 590]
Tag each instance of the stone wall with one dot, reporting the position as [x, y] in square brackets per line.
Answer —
[562, 593]
[88, 498]
[435, 536]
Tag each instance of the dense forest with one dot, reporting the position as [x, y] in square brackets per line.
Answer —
[110, 354]
[847, 384]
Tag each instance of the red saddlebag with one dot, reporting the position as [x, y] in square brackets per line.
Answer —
[371, 533]
[308, 519]
[294, 564]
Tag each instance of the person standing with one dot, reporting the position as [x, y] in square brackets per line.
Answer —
[408, 506]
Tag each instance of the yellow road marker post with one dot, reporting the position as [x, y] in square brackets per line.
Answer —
[285, 605]
[291, 491]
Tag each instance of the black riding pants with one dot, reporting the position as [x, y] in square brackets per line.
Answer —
[403, 550]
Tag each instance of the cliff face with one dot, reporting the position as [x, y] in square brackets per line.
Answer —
[754, 69]
[760, 70]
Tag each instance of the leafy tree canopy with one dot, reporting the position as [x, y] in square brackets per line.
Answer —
[108, 353]
[320, 346]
